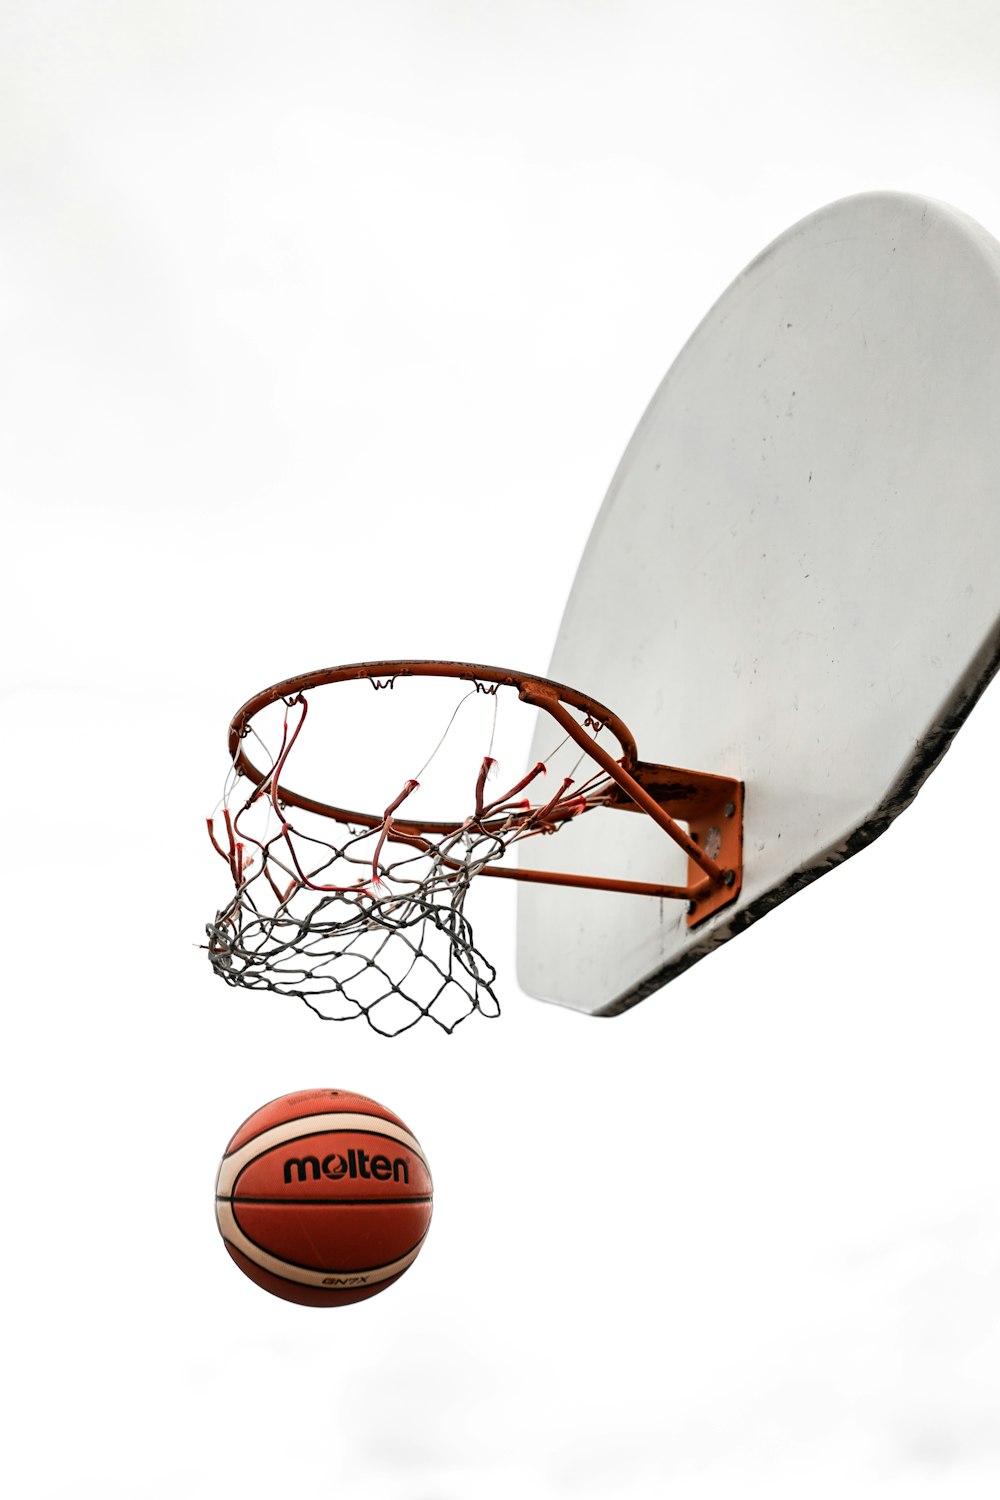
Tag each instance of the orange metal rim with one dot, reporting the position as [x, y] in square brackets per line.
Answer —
[711, 804]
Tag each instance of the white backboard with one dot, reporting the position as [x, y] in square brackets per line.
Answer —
[794, 580]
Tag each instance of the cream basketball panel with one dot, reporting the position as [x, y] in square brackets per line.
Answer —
[794, 579]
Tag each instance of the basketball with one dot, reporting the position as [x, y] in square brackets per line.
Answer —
[323, 1197]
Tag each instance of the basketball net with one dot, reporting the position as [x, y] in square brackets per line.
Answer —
[371, 921]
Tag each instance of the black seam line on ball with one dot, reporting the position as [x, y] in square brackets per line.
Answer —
[327, 1202]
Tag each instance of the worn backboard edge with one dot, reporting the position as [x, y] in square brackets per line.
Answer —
[928, 754]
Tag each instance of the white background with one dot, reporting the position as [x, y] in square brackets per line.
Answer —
[324, 326]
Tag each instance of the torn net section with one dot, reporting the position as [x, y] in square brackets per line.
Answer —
[367, 921]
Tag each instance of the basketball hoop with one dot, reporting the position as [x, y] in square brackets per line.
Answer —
[370, 921]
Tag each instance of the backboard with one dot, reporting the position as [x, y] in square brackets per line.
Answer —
[794, 579]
